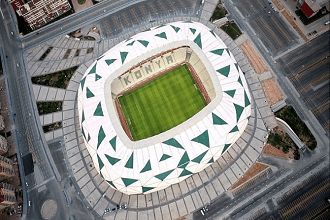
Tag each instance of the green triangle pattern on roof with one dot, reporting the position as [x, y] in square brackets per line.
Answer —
[82, 83]
[123, 56]
[112, 160]
[161, 35]
[225, 148]
[236, 65]
[164, 157]
[198, 40]
[224, 70]
[144, 42]
[82, 116]
[162, 25]
[199, 158]
[97, 77]
[240, 81]
[83, 133]
[130, 44]
[113, 142]
[239, 110]
[147, 167]
[247, 100]
[162, 176]
[89, 137]
[217, 120]
[129, 163]
[89, 93]
[185, 173]
[173, 142]
[98, 111]
[175, 28]
[128, 181]
[146, 189]
[203, 139]
[234, 129]
[93, 70]
[212, 32]
[228, 52]
[193, 30]
[110, 61]
[184, 160]
[100, 137]
[111, 183]
[128, 39]
[217, 51]
[188, 21]
[231, 93]
[101, 164]
[211, 161]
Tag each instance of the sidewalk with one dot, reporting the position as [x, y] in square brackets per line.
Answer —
[288, 8]
[12, 150]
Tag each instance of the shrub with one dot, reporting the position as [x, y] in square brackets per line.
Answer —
[289, 115]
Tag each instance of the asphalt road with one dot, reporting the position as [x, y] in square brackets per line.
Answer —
[26, 127]
[308, 69]
[305, 209]
[63, 192]
[267, 24]
[145, 12]
[116, 15]
[228, 207]
[22, 100]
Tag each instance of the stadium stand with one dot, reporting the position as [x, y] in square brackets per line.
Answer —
[160, 64]
[180, 55]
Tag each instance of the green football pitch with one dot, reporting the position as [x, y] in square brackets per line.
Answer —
[161, 104]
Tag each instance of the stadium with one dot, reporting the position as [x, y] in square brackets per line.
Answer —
[161, 106]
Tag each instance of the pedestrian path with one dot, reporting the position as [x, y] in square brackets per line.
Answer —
[177, 200]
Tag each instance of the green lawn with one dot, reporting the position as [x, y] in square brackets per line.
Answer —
[161, 104]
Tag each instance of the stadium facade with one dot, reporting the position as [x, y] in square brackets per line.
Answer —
[154, 163]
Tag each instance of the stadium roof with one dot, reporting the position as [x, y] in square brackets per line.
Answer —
[157, 162]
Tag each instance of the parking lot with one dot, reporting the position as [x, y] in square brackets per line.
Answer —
[266, 22]
[146, 11]
[308, 69]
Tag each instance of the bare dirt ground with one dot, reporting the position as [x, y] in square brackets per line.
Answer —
[273, 93]
[271, 150]
[253, 171]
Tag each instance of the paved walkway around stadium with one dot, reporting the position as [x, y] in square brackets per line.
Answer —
[179, 199]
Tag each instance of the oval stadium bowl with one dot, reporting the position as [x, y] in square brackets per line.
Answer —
[161, 106]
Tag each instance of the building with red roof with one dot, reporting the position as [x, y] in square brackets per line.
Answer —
[310, 7]
[39, 12]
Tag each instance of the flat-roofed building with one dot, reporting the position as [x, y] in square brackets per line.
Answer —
[39, 12]
[7, 195]
[6, 168]
[2, 123]
[3, 145]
